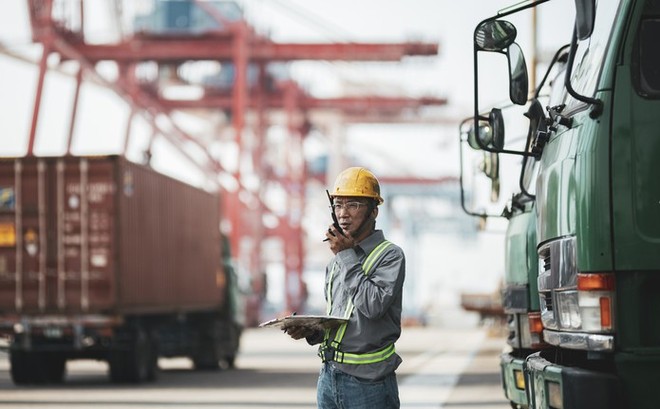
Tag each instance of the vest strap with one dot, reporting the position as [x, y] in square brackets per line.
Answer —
[328, 353]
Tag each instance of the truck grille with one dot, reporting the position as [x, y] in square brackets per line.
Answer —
[546, 263]
[546, 299]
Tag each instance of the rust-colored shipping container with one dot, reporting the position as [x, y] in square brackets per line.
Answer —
[102, 234]
[107, 259]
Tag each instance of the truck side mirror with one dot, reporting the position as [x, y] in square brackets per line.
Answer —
[499, 36]
[489, 164]
[483, 132]
[585, 14]
[518, 77]
[496, 121]
[490, 133]
[494, 35]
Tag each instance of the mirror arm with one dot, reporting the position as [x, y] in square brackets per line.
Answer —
[524, 5]
[525, 192]
[504, 151]
[523, 189]
[476, 95]
[597, 103]
[555, 58]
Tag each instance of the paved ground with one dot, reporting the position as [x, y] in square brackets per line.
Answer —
[460, 369]
[479, 385]
[443, 368]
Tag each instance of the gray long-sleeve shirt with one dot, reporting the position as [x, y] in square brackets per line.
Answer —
[376, 319]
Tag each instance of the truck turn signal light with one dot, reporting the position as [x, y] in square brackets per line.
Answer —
[595, 282]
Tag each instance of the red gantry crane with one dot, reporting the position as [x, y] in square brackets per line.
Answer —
[216, 31]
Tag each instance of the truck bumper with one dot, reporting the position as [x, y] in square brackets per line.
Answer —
[512, 370]
[554, 386]
[59, 332]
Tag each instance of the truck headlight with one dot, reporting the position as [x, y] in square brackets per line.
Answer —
[568, 310]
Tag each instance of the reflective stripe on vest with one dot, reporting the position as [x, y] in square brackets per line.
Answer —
[345, 357]
[361, 359]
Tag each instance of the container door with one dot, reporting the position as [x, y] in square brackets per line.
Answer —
[85, 234]
[23, 219]
[55, 242]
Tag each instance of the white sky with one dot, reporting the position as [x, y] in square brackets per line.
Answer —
[448, 75]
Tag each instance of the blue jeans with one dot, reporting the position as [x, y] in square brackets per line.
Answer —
[337, 390]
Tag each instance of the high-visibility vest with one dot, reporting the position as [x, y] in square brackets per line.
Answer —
[329, 351]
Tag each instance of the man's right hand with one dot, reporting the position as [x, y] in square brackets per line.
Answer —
[339, 241]
[299, 332]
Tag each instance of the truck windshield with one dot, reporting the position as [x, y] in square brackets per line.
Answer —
[590, 53]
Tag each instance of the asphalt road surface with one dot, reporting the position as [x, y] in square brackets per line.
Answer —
[443, 368]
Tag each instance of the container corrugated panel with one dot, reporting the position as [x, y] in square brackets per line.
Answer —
[102, 234]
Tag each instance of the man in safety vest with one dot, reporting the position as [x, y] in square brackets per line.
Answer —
[364, 283]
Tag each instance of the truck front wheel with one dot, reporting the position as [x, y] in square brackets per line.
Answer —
[207, 357]
[137, 362]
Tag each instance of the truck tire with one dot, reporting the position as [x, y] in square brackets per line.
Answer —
[23, 367]
[54, 367]
[136, 363]
[231, 361]
[217, 344]
[208, 353]
[234, 338]
[30, 367]
[152, 370]
[207, 358]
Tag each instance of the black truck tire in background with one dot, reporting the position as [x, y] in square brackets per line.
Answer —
[36, 367]
[217, 344]
[134, 359]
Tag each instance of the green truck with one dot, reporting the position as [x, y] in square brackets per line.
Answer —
[594, 209]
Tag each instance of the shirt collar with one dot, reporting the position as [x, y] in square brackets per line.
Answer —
[371, 242]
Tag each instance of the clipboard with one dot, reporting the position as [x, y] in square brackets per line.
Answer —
[315, 322]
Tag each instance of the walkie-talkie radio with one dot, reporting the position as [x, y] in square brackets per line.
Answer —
[335, 222]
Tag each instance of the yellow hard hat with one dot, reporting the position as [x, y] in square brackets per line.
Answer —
[358, 182]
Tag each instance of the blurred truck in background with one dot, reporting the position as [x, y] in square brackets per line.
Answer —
[518, 298]
[593, 150]
[102, 258]
[519, 295]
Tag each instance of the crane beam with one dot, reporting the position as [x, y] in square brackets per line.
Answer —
[352, 104]
[221, 48]
[371, 103]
